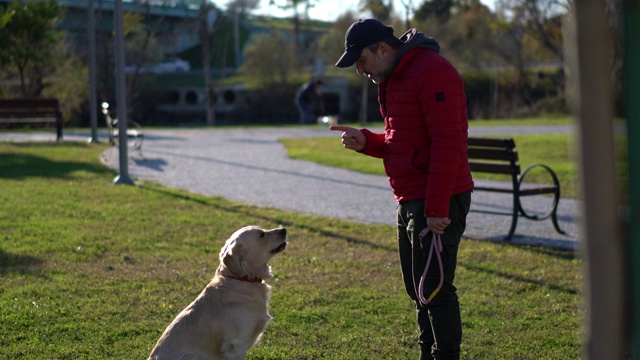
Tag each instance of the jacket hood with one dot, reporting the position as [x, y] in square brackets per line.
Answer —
[413, 39]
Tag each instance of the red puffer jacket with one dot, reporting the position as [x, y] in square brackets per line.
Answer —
[424, 145]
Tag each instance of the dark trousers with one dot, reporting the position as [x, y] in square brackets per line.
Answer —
[306, 112]
[439, 322]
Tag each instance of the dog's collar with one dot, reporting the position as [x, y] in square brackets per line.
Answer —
[246, 278]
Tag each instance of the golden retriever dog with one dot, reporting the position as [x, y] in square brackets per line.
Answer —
[230, 314]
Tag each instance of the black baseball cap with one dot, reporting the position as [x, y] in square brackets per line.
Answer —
[361, 34]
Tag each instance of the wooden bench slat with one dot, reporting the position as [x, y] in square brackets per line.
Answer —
[50, 119]
[495, 142]
[495, 186]
[493, 168]
[31, 111]
[536, 189]
[506, 187]
[38, 110]
[29, 103]
[492, 154]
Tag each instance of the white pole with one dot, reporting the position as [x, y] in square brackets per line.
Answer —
[91, 27]
[121, 96]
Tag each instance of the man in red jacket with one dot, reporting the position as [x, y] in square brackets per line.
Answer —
[424, 151]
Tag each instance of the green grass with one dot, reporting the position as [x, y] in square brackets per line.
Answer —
[92, 270]
[553, 150]
[537, 121]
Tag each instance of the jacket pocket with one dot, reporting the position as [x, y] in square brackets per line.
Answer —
[420, 160]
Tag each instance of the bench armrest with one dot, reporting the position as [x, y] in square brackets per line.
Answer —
[553, 175]
[556, 195]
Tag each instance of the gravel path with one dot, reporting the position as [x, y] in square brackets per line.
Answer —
[251, 166]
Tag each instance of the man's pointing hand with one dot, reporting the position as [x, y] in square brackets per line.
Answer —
[352, 138]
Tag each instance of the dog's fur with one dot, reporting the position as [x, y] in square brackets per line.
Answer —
[230, 314]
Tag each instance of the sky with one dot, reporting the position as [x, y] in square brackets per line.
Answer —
[329, 10]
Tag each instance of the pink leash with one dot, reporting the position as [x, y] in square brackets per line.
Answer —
[436, 243]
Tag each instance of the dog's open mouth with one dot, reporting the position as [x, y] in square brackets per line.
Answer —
[279, 248]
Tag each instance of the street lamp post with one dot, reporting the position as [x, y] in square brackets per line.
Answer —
[121, 95]
[91, 27]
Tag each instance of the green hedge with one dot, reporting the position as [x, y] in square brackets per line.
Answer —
[503, 93]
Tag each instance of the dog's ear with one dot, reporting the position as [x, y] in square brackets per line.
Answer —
[226, 248]
[236, 262]
[233, 258]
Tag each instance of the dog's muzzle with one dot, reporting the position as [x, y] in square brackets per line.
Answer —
[279, 248]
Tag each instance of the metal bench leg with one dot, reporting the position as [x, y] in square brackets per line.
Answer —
[514, 221]
[554, 218]
[555, 224]
[59, 130]
[137, 144]
[514, 217]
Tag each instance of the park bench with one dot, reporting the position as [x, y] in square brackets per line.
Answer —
[499, 156]
[31, 111]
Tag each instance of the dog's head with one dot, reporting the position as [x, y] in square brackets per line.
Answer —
[247, 252]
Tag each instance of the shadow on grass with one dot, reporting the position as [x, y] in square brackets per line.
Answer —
[564, 254]
[538, 250]
[518, 278]
[11, 263]
[347, 239]
[19, 166]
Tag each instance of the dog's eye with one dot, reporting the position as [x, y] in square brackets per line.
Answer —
[261, 234]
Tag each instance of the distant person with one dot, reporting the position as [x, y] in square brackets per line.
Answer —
[424, 152]
[308, 98]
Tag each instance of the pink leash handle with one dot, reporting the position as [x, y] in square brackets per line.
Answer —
[436, 244]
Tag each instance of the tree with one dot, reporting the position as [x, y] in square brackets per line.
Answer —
[496, 50]
[408, 9]
[32, 51]
[295, 6]
[28, 42]
[141, 47]
[242, 6]
[541, 20]
[440, 9]
[208, 16]
[466, 35]
[237, 9]
[269, 60]
[533, 30]
[331, 43]
[379, 9]
[69, 82]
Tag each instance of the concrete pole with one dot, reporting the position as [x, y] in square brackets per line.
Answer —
[602, 231]
[91, 28]
[631, 18]
[121, 95]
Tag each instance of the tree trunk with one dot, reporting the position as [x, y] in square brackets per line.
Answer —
[208, 82]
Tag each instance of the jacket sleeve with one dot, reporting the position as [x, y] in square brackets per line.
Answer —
[375, 143]
[442, 101]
